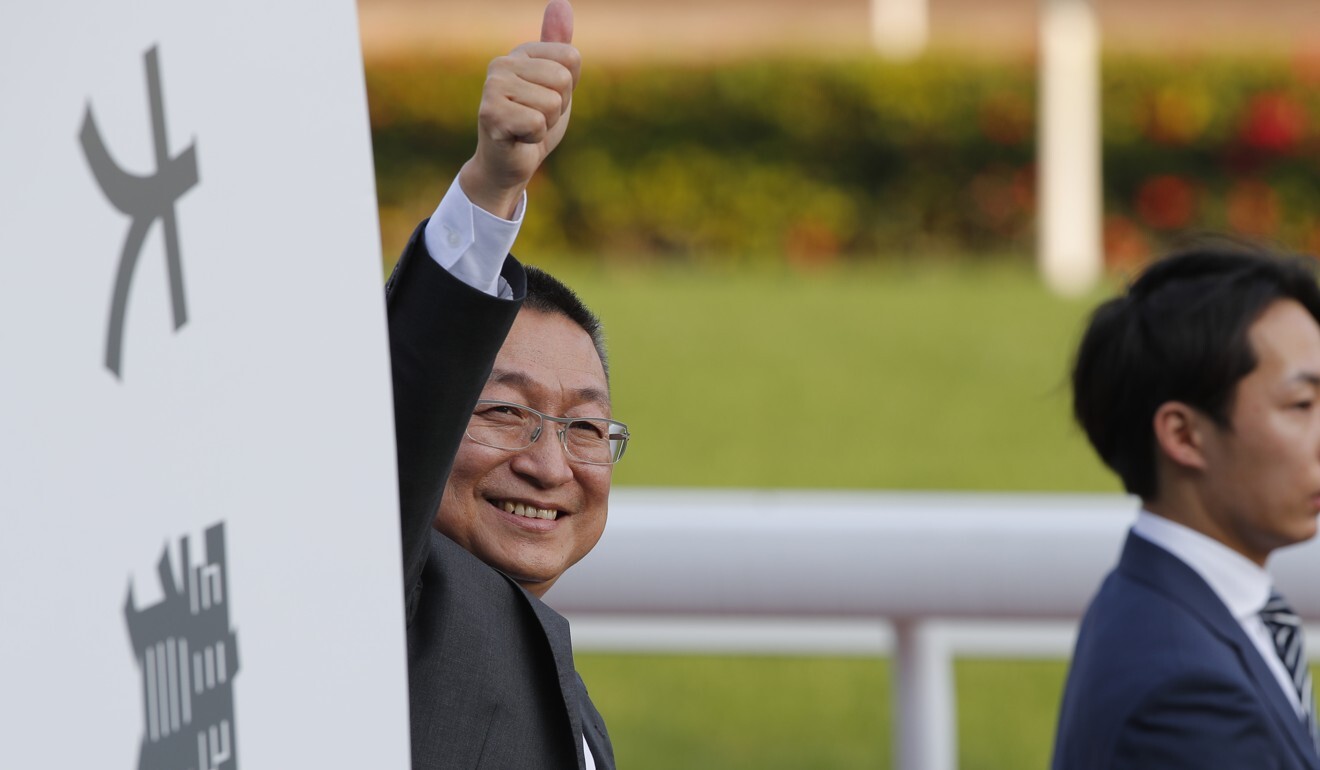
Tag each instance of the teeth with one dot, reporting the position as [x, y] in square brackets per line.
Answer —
[529, 512]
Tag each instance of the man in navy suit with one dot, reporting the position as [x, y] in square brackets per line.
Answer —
[1200, 388]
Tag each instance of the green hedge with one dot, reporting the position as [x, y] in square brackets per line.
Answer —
[816, 160]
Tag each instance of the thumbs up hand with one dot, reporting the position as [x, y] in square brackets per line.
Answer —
[525, 107]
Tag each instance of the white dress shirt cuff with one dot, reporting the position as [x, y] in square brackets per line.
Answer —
[471, 243]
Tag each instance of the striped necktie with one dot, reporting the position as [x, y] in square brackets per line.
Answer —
[1286, 630]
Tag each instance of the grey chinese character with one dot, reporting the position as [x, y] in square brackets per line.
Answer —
[188, 655]
[144, 199]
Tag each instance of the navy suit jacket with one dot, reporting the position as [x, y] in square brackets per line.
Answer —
[1164, 677]
[491, 679]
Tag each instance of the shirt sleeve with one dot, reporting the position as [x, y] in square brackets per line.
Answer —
[471, 243]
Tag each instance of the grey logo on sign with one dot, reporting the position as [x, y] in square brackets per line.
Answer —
[188, 656]
[144, 199]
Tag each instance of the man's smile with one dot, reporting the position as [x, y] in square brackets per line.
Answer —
[539, 516]
[528, 511]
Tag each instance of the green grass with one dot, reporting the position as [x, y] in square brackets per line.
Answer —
[935, 377]
[773, 713]
[1006, 712]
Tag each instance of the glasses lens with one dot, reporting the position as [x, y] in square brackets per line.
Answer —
[618, 442]
[503, 426]
[597, 441]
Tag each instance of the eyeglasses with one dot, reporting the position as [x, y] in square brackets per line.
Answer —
[504, 425]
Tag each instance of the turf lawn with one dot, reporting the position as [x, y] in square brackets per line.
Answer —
[938, 377]
[670, 712]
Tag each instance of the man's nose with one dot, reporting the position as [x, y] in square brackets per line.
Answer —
[546, 461]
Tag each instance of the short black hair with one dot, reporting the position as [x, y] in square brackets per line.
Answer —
[548, 294]
[1180, 333]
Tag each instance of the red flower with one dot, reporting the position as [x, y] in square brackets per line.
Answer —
[1166, 202]
[1273, 123]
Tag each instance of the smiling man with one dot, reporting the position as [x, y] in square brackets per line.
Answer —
[505, 442]
[1200, 388]
[531, 481]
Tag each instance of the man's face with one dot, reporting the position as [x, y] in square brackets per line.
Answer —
[1263, 472]
[549, 364]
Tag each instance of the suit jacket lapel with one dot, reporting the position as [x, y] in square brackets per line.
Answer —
[561, 646]
[1149, 564]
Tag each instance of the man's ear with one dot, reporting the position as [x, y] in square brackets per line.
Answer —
[1180, 434]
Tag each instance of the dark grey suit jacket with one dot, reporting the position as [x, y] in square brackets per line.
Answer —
[490, 667]
[1165, 677]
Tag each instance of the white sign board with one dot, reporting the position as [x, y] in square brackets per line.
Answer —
[193, 346]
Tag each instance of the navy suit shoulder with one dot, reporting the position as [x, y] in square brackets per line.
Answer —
[1163, 676]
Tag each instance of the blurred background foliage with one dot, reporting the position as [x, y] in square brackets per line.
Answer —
[817, 161]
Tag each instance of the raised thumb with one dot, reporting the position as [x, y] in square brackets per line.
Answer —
[557, 26]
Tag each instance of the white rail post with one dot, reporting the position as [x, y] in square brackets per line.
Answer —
[926, 738]
[900, 28]
[1069, 250]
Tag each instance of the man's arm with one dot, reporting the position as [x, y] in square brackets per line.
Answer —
[444, 336]
[445, 328]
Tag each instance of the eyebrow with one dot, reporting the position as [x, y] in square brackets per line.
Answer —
[1310, 378]
[525, 383]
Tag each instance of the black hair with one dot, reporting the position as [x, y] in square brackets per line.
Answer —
[1180, 333]
[548, 294]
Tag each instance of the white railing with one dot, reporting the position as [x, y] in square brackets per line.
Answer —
[922, 576]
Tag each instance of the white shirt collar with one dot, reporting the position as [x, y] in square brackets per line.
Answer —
[1240, 583]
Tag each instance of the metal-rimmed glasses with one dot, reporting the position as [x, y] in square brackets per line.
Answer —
[514, 427]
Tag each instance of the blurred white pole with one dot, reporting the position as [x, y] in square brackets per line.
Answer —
[923, 674]
[1069, 249]
[900, 28]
